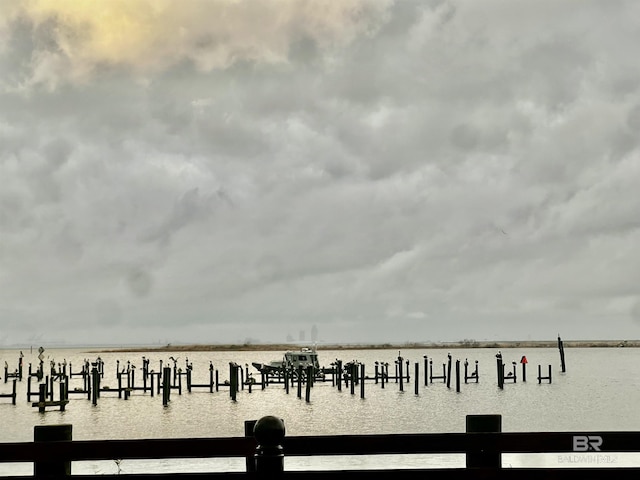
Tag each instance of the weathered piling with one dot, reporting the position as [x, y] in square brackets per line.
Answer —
[458, 376]
[307, 395]
[86, 381]
[42, 397]
[470, 376]
[20, 365]
[541, 377]
[561, 349]
[416, 369]
[145, 374]
[523, 362]
[264, 379]
[64, 393]
[396, 376]
[43, 393]
[352, 378]
[286, 381]
[84, 370]
[233, 380]
[500, 368]
[166, 386]
[155, 382]
[16, 374]
[38, 374]
[190, 385]
[250, 381]
[362, 378]
[426, 370]
[119, 377]
[511, 376]
[399, 372]
[11, 395]
[433, 377]
[95, 384]
[448, 370]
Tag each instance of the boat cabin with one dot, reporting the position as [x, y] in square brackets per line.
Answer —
[304, 358]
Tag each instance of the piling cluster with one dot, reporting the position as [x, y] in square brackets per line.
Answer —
[512, 375]
[169, 378]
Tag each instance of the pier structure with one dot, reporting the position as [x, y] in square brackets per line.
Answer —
[351, 375]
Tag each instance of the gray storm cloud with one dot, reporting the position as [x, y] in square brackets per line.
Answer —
[388, 170]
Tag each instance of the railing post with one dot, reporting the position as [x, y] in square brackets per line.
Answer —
[52, 433]
[488, 456]
[249, 425]
[269, 458]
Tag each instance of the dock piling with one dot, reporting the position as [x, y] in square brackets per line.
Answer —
[561, 348]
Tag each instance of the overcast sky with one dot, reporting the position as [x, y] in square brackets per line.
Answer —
[389, 171]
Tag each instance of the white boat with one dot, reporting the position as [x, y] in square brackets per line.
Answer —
[292, 360]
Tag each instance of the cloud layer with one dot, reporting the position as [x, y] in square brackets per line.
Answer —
[219, 171]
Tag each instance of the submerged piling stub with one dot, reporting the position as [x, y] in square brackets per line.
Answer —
[269, 432]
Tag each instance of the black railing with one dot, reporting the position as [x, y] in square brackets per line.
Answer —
[53, 450]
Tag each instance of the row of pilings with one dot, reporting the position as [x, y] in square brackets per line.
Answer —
[170, 379]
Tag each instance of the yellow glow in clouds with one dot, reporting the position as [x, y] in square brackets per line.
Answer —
[148, 35]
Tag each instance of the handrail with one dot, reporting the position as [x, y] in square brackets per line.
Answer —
[139, 449]
[530, 442]
[375, 444]
[266, 451]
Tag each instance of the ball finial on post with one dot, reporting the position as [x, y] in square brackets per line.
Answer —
[269, 432]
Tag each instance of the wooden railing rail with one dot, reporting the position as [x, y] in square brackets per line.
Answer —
[264, 454]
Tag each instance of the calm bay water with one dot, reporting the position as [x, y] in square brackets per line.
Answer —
[599, 391]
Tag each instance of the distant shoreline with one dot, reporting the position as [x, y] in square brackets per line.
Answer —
[230, 347]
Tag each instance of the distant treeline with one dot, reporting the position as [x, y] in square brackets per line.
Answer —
[380, 346]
